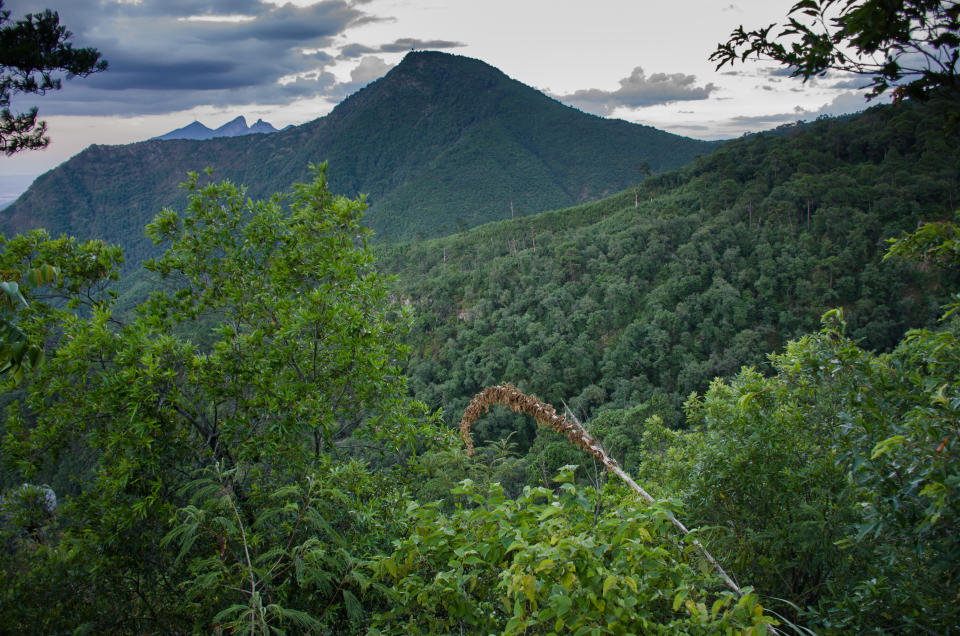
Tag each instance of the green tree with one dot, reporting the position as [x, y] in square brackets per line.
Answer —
[16, 350]
[829, 483]
[911, 45]
[33, 51]
[216, 423]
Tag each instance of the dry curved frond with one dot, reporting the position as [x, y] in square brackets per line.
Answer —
[545, 415]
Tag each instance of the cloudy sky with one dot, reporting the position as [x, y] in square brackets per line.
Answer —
[175, 61]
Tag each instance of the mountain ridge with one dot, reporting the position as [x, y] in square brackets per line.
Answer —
[234, 128]
[439, 143]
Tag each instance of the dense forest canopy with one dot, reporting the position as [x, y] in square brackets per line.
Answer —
[243, 450]
[619, 304]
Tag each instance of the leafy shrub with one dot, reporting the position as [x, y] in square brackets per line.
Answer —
[553, 562]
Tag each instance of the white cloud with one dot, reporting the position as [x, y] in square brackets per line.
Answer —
[843, 104]
[370, 68]
[639, 90]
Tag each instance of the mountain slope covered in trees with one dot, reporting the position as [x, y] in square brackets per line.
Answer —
[609, 305]
[441, 142]
[242, 452]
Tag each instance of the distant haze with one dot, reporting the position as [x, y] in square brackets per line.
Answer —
[12, 186]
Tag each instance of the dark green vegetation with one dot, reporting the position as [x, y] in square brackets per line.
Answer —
[825, 475]
[440, 143]
[608, 305]
[33, 51]
[242, 454]
[239, 456]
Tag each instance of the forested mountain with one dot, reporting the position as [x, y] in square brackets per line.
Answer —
[608, 305]
[441, 142]
[242, 452]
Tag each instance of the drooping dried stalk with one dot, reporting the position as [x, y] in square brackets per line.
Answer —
[545, 415]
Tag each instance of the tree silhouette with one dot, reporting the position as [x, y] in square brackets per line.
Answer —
[33, 52]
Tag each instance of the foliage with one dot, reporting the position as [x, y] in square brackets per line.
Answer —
[27, 513]
[552, 562]
[236, 453]
[16, 351]
[608, 306]
[267, 351]
[83, 271]
[912, 45]
[33, 51]
[295, 564]
[848, 509]
[767, 471]
[931, 243]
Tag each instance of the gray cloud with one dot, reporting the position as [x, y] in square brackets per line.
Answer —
[78, 99]
[838, 79]
[856, 84]
[639, 90]
[291, 24]
[397, 46]
[406, 44]
[356, 50]
[780, 71]
[161, 61]
[842, 104]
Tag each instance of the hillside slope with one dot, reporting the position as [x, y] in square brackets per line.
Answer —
[611, 306]
[439, 143]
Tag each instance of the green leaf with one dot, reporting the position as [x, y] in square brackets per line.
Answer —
[353, 606]
[609, 583]
[562, 603]
[887, 446]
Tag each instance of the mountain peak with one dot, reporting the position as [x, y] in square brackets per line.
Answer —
[236, 127]
[194, 130]
[233, 128]
[440, 142]
[424, 81]
[439, 65]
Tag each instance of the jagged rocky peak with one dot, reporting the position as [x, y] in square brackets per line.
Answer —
[233, 128]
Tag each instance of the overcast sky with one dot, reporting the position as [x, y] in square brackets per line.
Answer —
[176, 61]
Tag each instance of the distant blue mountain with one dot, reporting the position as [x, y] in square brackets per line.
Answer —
[234, 128]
